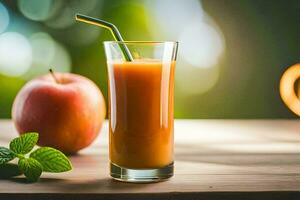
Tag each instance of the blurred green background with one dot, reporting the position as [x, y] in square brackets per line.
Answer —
[231, 54]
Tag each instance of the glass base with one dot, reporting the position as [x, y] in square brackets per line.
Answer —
[141, 175]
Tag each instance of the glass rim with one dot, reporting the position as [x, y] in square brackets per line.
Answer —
[140, 42]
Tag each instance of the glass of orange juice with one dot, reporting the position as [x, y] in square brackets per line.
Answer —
[141, 101]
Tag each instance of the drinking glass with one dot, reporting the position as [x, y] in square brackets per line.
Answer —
[141, 101]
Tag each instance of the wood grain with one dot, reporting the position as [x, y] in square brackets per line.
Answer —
[215, 159]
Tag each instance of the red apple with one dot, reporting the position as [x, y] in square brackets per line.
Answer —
[67, 110]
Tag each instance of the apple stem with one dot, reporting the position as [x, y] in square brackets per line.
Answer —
[53, 75]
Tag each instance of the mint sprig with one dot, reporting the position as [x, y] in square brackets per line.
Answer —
[51, 159]
[6, 155]
[31, 168]
[43, 159]
[24, 144]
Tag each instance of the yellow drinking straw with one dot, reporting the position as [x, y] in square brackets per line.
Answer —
[113, 29]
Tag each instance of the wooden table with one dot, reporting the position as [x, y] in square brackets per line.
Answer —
[215, 159]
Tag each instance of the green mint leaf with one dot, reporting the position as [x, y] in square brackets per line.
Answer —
[24, 144]
[6, 155]
[51, 159]
[31, 168]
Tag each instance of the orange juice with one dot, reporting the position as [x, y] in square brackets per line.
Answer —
[141, 113]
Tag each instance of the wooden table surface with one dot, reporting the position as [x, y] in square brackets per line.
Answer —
[215, 159]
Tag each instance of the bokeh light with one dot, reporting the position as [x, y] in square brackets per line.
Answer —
[43, 50]
[64, 15]
[173, 15]
[36, 9]
[4, 18]
[15, 54]
[63, 19]
[80, 35]
[61, 60]
[47, 53]
[201, 45]
[191, 80]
